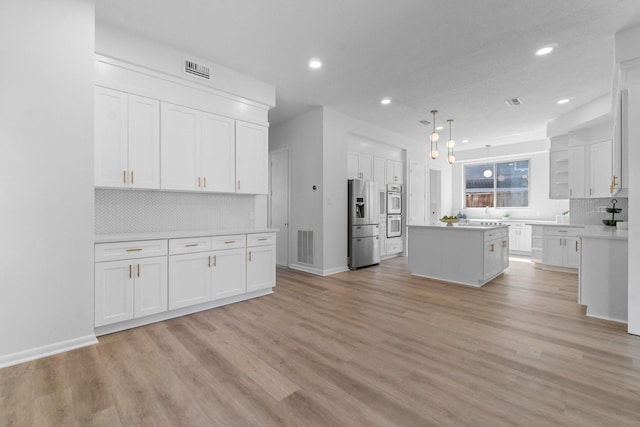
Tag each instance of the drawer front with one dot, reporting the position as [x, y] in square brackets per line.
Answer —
[496, 234]
[189, 245]
[261, 239]
[229, 242]
[561, 231]
[128, 250]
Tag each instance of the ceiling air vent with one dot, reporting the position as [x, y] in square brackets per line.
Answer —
[196, 69]
[513, 102]
[425, 122]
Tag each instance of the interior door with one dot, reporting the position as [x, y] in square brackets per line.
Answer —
[280, 203]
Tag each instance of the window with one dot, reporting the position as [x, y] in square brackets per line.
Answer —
[497, 185]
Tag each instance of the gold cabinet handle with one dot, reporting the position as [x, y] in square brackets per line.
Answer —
[191, 245]
[576, 246]
[249, 255]
[199, 182]
[124, 177]
[129, 271]
[263, 238]
[205, 182]
[590, 191]
[215, 260]
[238, 184]
[134, 249]
[492, 248]
[560, 242]
[138, 270]
[226, 242]
[209, 262]
[131, 177]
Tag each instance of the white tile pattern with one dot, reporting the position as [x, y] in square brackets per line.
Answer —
[592, 211]
[137, 211]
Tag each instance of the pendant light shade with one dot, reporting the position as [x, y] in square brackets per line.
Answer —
[434, 137]
[487, 172]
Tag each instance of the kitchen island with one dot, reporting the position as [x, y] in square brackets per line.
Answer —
[470, 255]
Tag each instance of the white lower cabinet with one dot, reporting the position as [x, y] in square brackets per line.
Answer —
[561, 247]
[229, 273]
[520, 238]
[142, 278]
[190, 279]
[129, 288]
[261, 261]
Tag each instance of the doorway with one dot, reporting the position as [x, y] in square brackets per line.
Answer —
[279, 203]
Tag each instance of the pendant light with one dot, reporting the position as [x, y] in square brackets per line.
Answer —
[487, 172]
[450, 144]
[434, 137]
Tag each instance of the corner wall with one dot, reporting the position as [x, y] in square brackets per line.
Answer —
[46, 178]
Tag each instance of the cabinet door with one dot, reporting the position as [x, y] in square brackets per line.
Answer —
[353, 172]
[228, 273]
[394, 172]
[110, 147]
[180, 148]
[524, 242]
[114, 292]
[189, 279]
[144, 142]
[380, 173]
[261, 267]
[492, 258]
[553, 252]
[572, 252]
[514, 237]
[218, 153]
[252, 158]
[504, 254]
[577, 172]
[150, 276]
[601, 169]
[365, 166]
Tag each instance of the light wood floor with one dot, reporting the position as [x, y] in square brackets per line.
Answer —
[375, 347]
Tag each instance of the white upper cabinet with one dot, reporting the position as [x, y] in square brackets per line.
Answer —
[252, 158]
[359, 166]
[395, 172]
[600, 169]
[577, 172]
[127, 140]
[218, 153]
[198, 150]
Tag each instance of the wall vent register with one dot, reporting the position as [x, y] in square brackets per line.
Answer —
[196, 69]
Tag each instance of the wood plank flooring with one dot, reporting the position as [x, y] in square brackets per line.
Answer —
[374, 347]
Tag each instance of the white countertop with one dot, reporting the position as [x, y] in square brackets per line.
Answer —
[557, 225]
[457, 226]
[603, 232]
[128, 237]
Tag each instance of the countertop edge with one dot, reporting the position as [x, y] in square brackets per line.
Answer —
[160, 235]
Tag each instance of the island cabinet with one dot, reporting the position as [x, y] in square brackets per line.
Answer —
[470, 255]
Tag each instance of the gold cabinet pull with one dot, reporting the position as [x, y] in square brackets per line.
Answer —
[576, 246]
[131, 177]
[492, 248]
[205, 182]
[238, 184]
[191, 245]
[124, 177]
[129, 271]
[263, 238]
[134, 249]
[560, 242]
[215, 260]
[226, 242]
[590, 191]
[249, 255]
[199, 182]
[209, 262]
[138, 270]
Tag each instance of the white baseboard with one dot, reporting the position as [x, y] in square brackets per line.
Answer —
[317, 271]
[46, 350]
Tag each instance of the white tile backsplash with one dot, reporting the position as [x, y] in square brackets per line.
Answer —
[592, 211]
[140, 211]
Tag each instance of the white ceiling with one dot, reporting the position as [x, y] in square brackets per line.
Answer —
[462, 57]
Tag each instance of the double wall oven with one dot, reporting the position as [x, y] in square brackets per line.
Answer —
[394, 210]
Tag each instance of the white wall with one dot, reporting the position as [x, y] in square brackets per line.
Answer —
[46, 177]
[303, 134]
[540, 206]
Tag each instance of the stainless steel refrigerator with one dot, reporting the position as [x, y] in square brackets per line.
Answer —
[364, 223]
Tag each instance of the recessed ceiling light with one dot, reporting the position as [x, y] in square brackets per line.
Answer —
[385, 101]
[464, 141]
[544, 50]
[315, 63]
[563, 101]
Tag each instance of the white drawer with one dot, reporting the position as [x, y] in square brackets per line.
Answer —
[129, 250]
[229, 242]
[189, 245]
[261, 239]
[561, 231]
[495, 234]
